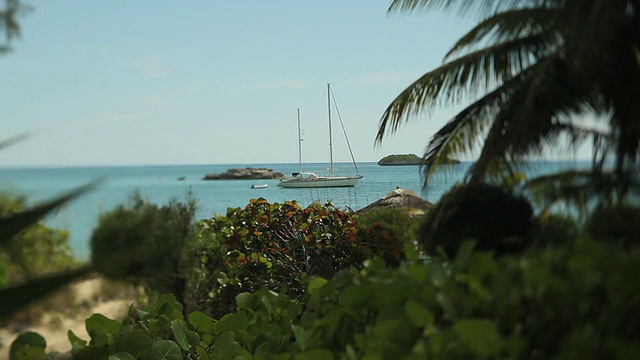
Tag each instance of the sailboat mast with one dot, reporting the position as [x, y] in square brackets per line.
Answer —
[299, 145]
[330, 134]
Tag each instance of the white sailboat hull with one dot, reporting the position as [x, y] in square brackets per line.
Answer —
[319, 182]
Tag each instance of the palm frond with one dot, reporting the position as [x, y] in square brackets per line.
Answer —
[463, 7]
[477, 71]
[530, 118]
[509, 26]
[12, 140]
[12, 225]
[459, 136]
[8, 23]
[17, 297]
[578, 188]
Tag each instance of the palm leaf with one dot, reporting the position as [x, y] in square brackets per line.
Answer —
[579, 188]
[16, 297]
[508, 26]
[533, 117]
[12, 140]
[459, 136]
[13, 224]
[466, 75]
[463, 7]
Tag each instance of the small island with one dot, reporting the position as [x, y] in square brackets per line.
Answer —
[409, 159]
[245, 174]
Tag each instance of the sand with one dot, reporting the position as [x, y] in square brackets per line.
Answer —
[89, 299]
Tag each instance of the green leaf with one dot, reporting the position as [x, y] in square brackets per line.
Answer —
[160, 324]
[315, 286]
[135, 343]
[203, 354]
[13, 224]
[98, 324]
[411, 252]
[395, 331]
[418, 314]
[222, 346]
[315, 354]
[179, 335]
[192, 338]
[201, 323]
[302, 337]
[232, 322]
[16, 297]
[480, 336]
[121, 356]
[267, 305]
[243, 298]
[355, 296]
[464, 254]
[28, 346]
[75, 340]
[165, 350]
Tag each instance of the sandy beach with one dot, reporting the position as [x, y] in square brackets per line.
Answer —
[88, 298]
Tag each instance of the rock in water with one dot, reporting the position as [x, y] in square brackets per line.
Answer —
[245, 174]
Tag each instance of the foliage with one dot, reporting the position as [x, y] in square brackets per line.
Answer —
[274, 245]
[157, 332]
[36, 251]
[554, 230]
[15, 224]
[387, 232]
[581, 190]
[279, 245]
[497, 219]
[8, 22]
[618, 223]
[535, 73]
[567, 301]
[145, 244]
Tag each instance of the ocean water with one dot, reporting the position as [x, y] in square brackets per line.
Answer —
[159, 184]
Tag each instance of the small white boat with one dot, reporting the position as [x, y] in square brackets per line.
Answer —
[260, 186]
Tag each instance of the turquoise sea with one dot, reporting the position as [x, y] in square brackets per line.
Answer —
[160, 183]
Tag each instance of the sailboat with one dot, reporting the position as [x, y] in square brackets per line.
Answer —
[312, 180]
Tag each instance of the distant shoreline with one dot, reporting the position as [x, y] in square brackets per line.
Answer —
[274, 164]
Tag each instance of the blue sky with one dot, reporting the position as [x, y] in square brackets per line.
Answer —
[108, 82]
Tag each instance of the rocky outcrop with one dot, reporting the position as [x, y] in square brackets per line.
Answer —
[246, 173]
[410, 159]
[400, 199]
[394, 160]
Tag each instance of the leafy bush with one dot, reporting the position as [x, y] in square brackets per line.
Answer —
[571, 301]
[498, 220]
[145, 244]
[555, 229]
[386, 232]
[272, 245]
[620, 224]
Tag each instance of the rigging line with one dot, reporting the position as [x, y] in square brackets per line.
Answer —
[344, 131]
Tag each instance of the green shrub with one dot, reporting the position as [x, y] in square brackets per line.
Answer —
[555, 229]
[573, 301]
[498, 220]
[272, 245]
[620, 224]
[386, 232]
[145, 244]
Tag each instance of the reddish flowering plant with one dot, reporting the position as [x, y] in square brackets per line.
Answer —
[276, 245]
